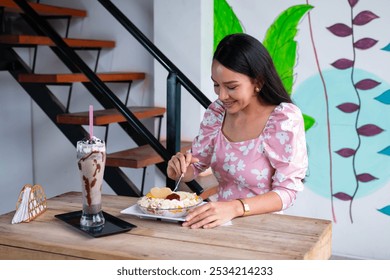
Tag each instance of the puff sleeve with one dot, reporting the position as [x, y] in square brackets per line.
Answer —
[204, 144]
[285, 147]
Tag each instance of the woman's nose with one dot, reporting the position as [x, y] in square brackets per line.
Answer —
[222, 94]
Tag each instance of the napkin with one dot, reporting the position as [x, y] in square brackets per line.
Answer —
[31, 203]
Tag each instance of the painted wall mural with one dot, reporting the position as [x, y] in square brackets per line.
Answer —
[345, 106]
[359, 86]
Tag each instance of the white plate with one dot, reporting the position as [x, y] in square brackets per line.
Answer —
[134, 210]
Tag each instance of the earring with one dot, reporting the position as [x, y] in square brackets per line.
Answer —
[257, 89]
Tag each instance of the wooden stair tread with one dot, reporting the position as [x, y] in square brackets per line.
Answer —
[103, 117]
[28, 40]
[44, 9]
[79, 77]
[139, 157]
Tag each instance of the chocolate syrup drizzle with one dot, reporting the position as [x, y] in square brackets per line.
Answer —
[89, 185]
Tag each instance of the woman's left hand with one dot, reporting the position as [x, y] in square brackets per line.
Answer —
[212, 214]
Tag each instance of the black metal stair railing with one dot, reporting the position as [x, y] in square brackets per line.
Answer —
[134, 128]
[155, 52]
[174, 80]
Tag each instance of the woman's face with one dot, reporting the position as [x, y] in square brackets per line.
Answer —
[235, 90]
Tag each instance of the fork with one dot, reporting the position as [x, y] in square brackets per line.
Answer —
[178, 181]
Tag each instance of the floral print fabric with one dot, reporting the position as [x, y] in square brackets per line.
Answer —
[274, 161]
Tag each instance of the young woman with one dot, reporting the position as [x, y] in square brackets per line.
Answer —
[252, 137]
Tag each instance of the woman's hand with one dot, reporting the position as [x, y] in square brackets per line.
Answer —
[213, 214]
[178, 164]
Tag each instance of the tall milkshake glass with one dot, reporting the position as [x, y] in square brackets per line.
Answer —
[91, 156]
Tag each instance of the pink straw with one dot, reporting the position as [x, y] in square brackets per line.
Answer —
[90, 122]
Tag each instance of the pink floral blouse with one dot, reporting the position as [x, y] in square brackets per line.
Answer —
[275, 161]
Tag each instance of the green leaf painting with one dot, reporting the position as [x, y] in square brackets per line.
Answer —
[308, 121]
[279, 41]
[225, 21]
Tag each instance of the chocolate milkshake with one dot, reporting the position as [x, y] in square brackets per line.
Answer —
[91, 156]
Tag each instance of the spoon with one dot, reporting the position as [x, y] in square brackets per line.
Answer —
[178, 182]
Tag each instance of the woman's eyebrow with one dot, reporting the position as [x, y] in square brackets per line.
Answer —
[227, 82]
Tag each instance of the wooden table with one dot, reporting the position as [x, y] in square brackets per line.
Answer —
[270, 236]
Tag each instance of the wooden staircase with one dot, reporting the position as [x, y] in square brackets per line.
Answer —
[79, 77]
[32, 40]
[138, 157]
[43, 9]
[105, 117]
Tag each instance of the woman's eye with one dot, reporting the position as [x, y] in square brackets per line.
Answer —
[215, 85]
[231, 88]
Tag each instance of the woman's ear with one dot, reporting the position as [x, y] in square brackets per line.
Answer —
[259, 83]
[258, 86]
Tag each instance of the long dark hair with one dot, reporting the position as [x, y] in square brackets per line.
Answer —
[244, 54]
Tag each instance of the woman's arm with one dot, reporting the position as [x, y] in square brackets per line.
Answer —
[214, 214]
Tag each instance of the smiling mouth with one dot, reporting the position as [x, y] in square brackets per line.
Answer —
[228, 104]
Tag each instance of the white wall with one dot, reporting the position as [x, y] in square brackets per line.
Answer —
[182, 31]
[16, 147]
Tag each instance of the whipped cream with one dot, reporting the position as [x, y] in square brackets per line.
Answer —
[186, 200]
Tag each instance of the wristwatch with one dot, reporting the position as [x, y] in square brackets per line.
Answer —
[245, 206]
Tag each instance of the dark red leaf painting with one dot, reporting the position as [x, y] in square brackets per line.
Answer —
[343, 196]
[342, 63]
[369, 130]
[346, 152]
[340, 29]
[348, 107]
[365, 43]
[367, 84]
[364, 17]
[352, 3]
[365, 177]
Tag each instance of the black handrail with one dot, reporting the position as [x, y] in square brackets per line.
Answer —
[175, 77]
[71, 56]
[156, 53]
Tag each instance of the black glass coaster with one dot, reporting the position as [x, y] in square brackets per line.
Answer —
[112, 225]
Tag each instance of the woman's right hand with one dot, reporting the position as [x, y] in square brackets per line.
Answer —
[178, 164]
